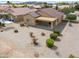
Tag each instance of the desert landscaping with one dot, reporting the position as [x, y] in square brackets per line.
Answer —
[20, 44]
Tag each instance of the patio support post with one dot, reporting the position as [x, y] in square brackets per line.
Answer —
[51, 26]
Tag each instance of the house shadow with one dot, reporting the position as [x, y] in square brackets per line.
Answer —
[61, 26]
[8, 28]
[42, 27]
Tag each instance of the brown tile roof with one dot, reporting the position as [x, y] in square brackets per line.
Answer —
[50, 12]
[3, 8]
[20, 11]
[34, 14]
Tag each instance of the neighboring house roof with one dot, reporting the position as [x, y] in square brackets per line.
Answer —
[20, 11]
[50, 12]
[34, 6]
[34, 14]
[47, 19]
[76, 13]
[3, 8]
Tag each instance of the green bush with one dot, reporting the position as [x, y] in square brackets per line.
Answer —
[68, 10]
[2, 24]
[76, 7]
[22, 25]
[71, 56]
[53, 36]
[71, 17]
[16, 31]
[50, 42]
[56, 31]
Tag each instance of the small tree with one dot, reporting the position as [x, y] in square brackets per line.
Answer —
[8, 2]
[14, 6]
[25, 5]
[3, 24]
[53, 36]
[71, 17]
[76, 7]
[67, 10]
[16, 31]
[50, 42]
[46, 5]
[56, 7]
[35, 41]
[0, 23]
[71, 56]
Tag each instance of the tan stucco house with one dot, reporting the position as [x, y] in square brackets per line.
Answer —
[46, 17]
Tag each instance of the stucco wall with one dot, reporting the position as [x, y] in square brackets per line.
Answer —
[28, 19]
[19, 18]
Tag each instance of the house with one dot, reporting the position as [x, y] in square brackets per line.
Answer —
[46, 17]
[51, 16]
[20, 14]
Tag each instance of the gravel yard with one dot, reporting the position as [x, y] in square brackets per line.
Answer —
[20, 44]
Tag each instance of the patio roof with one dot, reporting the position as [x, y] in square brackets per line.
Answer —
[47, 19]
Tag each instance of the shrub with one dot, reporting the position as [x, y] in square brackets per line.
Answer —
[2, 24]
[71, 56]
[22, 25]
[35, 41]
[53, 36]
[1, 30]
[71, 17]
[68, 10]
[43, 34]
[16, 31]
[31, 34]
[50, 42]
[57, 31]
[76, 7]
[36, 54]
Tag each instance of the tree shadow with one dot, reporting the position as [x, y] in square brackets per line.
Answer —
[54, 47]
[8, 28]
[58, 39]
[70, 25]
[57, 53]
[38, 45]
[61, 35]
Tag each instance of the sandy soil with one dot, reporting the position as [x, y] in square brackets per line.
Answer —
[20, 44]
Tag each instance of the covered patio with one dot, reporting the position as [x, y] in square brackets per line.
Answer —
[46, 22]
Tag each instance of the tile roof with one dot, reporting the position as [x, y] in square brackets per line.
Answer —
[34, 14]
[20, 11]
[50, 12]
